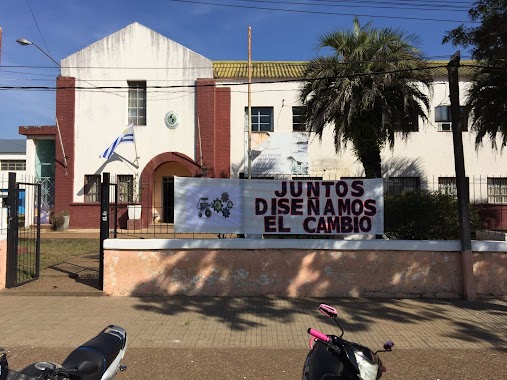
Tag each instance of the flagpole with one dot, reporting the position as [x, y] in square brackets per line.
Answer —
[249, 102]
[135, 144]
[61, 144]
[200, 142]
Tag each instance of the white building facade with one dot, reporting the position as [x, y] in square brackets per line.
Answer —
[189, 117]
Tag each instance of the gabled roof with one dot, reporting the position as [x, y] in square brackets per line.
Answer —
[294, 69]
[16, 146]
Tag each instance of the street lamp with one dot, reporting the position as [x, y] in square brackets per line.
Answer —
[25, 42]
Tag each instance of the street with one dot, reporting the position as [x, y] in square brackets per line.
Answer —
[282, 363]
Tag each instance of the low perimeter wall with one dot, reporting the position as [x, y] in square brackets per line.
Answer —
[3, 261]
[299, 268]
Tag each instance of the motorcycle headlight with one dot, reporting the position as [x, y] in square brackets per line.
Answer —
[367, 370]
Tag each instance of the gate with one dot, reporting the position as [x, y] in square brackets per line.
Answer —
[107, 206]
[23, 232]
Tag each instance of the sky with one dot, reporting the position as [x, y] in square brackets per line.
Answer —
[216, 29]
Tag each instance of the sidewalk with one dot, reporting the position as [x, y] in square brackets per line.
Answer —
[219, 322]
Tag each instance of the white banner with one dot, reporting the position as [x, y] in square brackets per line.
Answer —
[278, 206]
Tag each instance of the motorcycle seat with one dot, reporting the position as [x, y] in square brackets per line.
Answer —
[102, 350]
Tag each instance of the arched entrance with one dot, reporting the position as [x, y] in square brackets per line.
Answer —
[157, 181]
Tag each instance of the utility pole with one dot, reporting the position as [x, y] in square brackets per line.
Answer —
[249, 124]
[467, 257]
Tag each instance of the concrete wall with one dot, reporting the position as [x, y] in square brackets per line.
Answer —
[3, 261]
[317, 268]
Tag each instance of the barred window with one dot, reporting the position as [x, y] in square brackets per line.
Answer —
[13, 164]
[125, 188]
[92, 188]
[137, 102]
[397, 185]
[497, 190]
[447, 185]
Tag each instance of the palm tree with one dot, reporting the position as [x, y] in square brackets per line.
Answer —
[487, 95]
[369, 88]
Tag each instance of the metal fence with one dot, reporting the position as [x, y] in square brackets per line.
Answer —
[487, 196]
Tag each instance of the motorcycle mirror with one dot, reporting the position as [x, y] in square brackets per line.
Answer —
[328, 311]
[388, 346]
[87, 367]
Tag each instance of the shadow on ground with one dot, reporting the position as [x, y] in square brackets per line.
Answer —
[356, 315]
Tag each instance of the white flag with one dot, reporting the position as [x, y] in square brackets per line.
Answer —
[126, 136]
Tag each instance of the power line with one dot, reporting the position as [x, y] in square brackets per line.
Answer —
[367, 4]
[322, 13]
[229, 63]
[37, 25]
[352, 75]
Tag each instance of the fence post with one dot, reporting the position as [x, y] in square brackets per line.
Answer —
[104, 224]
[12, 232]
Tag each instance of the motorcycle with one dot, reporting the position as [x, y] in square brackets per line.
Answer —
[332, 357]
[98, 359]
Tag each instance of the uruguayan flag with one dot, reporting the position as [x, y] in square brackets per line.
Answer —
[126, 136]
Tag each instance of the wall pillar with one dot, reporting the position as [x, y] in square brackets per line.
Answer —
[65, 115]
[213, 123]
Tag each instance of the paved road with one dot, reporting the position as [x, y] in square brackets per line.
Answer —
[282, 363]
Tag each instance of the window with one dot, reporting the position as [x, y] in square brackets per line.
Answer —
[444, 119]
[497, 190]
[13, 165]
[137, 102]
[262, 119]
[447, 185]
[397, 185]
[298, 119]
[125, 188]
[92, 188]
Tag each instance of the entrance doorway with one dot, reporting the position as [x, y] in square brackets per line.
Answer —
[168, 199]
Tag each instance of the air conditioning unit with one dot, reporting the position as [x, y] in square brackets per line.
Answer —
[445, 127]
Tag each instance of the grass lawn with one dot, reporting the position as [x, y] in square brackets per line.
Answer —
[56, 251]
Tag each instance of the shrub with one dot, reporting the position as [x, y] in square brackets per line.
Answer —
[423, 215]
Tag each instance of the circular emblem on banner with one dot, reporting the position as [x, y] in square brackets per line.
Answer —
[171, 119]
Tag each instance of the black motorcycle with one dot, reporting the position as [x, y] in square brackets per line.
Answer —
[98, 359]
[333, 358]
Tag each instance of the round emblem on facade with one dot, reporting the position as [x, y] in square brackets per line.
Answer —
[171, 119]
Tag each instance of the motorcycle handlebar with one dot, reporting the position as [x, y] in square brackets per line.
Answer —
[319, 335]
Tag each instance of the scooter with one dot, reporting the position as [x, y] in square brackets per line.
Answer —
[333, 358]
[98, 359]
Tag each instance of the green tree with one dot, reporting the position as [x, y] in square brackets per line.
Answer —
[370, 87]
[487, 95]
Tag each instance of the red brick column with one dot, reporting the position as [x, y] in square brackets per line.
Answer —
[205, 124]
[214, 123]
[65, 114]
[223, 133]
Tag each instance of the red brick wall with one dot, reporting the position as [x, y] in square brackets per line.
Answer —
[213, 121]
[205, 123]
[65, 114]
[223, 133]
